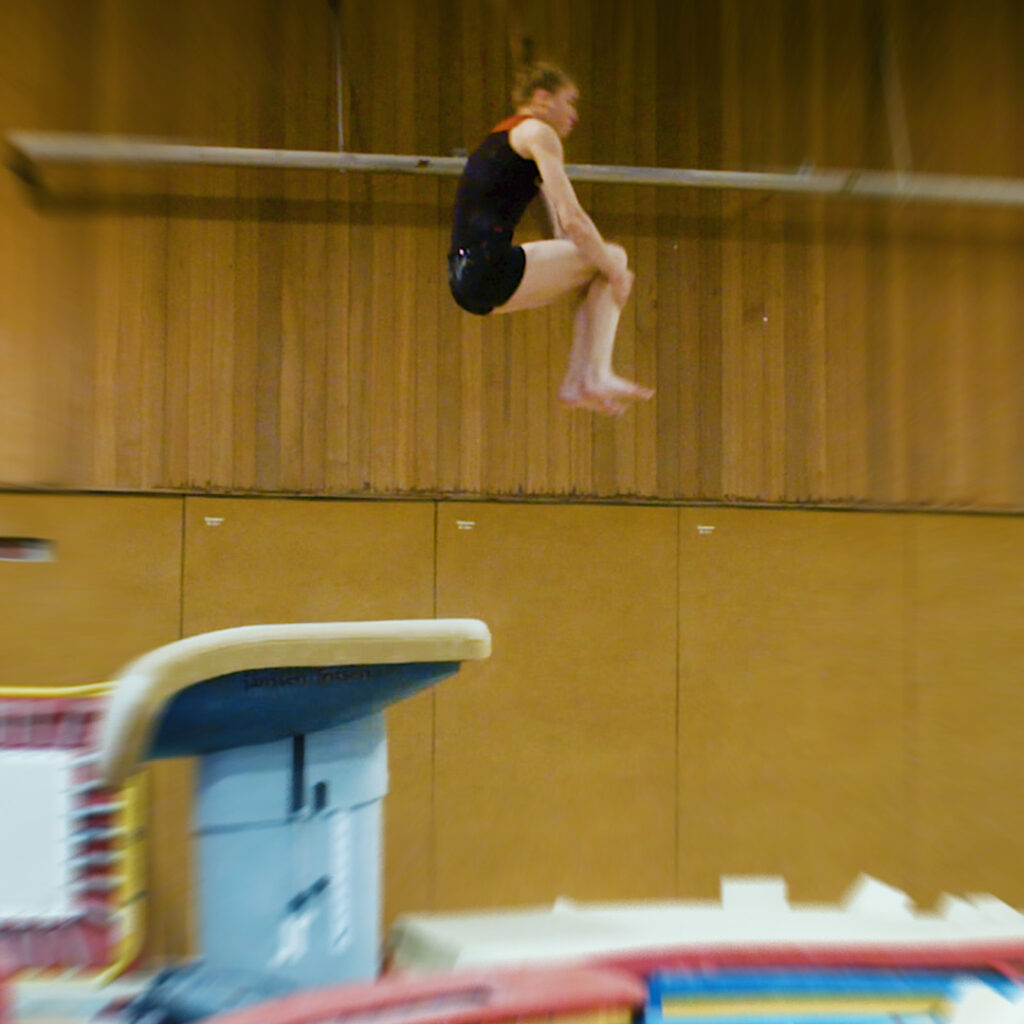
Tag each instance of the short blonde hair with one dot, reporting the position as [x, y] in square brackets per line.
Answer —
[540, 75]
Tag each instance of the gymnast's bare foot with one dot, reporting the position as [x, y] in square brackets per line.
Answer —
[574, 397]
[609, 395]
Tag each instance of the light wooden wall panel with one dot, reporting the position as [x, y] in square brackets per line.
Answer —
[305, 561]
[112, 593]
[792, 699]
[966, 712]
[263, 332]
[561, 747]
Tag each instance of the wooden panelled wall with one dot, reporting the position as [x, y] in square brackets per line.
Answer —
[673, 694]
[260, 331]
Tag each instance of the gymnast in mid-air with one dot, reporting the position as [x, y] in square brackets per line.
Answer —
[487, 273]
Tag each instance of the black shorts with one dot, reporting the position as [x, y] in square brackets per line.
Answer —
[485, 276]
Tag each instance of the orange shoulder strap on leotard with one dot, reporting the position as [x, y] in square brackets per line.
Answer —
[509, 123]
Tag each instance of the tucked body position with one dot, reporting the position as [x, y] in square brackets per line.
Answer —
[487, 273]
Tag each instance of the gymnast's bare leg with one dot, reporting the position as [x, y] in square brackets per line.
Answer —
[556, 268]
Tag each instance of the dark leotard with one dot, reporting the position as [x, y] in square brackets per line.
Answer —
[497, 185]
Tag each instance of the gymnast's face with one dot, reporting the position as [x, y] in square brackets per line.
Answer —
[559, 109]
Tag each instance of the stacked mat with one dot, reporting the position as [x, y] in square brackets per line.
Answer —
[811, 995]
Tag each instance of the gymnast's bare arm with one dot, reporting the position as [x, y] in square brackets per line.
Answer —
[552, 223]
[539, 142]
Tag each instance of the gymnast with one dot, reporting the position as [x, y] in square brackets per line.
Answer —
[487, 273]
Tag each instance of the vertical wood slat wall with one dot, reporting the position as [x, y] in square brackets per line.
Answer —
[275, 332]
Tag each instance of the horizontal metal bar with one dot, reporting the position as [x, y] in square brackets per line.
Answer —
[84, 788]
[71, 148]
[31, 149]
[96, 835]
[93, 860]
[95, 810]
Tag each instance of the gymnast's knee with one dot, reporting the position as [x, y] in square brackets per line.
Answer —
[618, 254]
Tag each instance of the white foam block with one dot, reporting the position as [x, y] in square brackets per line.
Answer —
[869, 896]
[35, 835]
[754, 894]
[992, 908]
[979, 1004]
[954, 908]
[755, 915]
